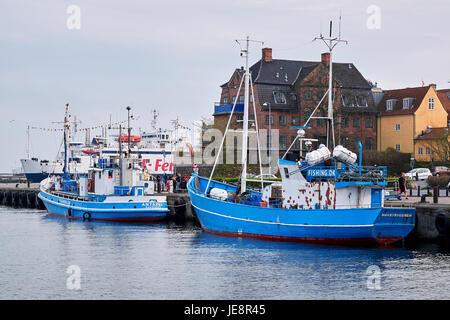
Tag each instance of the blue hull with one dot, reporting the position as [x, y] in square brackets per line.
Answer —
[90, 210]
[334, 226]
[37, 177]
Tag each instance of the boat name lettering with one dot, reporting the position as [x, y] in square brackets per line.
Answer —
[321, 172]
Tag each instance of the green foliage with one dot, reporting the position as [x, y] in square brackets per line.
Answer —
[396, 162]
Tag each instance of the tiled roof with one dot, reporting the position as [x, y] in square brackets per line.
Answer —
[444, 97]
[433, 133]
[399, 94]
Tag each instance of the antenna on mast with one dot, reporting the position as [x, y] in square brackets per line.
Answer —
[331, 43]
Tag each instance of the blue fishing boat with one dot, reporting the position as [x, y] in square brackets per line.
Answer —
[114, 189]
[326, 197]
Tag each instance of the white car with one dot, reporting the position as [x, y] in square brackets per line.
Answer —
[419, 174]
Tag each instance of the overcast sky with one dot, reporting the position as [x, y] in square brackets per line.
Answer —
[174, 55]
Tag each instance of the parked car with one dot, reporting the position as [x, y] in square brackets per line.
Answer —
[419, 174]
[440, 170]
[265, 176]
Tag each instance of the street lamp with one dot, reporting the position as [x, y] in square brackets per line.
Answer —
[265, 104]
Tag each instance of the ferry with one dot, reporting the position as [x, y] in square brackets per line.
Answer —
[326, 197]
[157, 145]
[114, 189]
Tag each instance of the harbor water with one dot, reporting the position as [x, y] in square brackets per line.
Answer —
[38, 254]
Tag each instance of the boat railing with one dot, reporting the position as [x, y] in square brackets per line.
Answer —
[68, 195]
[347, 173]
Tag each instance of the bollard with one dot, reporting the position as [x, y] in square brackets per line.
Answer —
[435, 194]
[418, 191]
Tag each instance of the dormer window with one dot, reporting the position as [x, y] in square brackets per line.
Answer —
[361, 101]
[390, 104]
[408, 103]
[279, 97]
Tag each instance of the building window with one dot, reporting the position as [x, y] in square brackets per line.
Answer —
[345, 141]
[408, 103]
[251, 98]
[279, 97]
[356, 122]
[430, 103]
[369, 122]
[297, 142]
[320, 94]
[368, 145]
[269, 119]
[420, 150]
[427, 150]
[283, 142]
[233, 99]
[362, 101]
[239, 117]
[344, 123]
[241, 98]
[294, 120]
[397, 127]
[390, 104]
[307, 95]
[345, 101]
[225, 100]
[397, 147]
[282, 120]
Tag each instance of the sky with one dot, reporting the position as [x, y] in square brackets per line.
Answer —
[173, 56]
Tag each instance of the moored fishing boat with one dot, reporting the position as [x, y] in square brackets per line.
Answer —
[326, 197]
[115, 189]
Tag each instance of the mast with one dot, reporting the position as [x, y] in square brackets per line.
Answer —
[129, 132]
[331, 43]
[245, 121]
[66, 138]
[28, 141]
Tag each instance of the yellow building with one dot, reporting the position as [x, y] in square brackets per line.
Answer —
[407, 114]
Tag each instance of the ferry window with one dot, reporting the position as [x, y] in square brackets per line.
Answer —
[286, 173]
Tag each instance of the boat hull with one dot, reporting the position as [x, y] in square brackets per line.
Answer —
[114, 211]
[358, 226]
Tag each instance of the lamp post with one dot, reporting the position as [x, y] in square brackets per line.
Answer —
[265, 104]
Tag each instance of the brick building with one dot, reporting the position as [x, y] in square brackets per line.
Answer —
[287, 91]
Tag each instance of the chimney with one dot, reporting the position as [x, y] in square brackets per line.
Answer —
[326, 58]
[267, 54]
[433, 85]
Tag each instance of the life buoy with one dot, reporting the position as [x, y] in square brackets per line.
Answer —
[87, 216]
